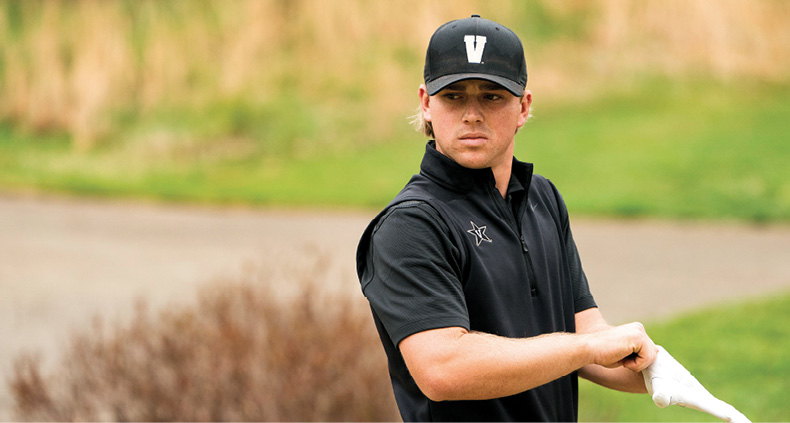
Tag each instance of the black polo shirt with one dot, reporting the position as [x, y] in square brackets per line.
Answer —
[450, 251]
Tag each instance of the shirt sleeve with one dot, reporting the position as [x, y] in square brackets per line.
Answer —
[582, 297]
[413, 274]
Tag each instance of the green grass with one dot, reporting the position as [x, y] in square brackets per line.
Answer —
[665, 149]
[669, 150]
[739, 352]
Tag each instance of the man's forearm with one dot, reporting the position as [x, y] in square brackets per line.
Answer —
[454, 364]
[620, 379]
[461, 365]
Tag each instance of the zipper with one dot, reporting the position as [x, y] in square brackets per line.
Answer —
[516, 226]
[530, 270]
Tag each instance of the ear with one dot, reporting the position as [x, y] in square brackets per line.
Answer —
[425, 103]
[526, 101]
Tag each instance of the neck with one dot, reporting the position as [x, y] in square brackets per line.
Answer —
[502, 176]
[503, 169]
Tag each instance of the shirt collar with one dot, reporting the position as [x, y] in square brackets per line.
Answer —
[450, 174]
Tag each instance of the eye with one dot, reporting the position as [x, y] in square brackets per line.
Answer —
[493, 97]
[452, 96]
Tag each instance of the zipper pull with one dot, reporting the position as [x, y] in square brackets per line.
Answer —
[524, 244]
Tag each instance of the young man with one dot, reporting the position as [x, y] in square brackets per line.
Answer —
[472, 274]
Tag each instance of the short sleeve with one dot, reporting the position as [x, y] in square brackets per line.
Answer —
[412, 279]
[582, 297]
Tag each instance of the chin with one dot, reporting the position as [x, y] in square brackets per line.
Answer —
[473, 162]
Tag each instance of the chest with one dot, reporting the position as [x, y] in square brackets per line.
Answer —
[514, 267]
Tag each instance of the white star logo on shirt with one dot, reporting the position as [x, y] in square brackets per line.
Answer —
[479, 232]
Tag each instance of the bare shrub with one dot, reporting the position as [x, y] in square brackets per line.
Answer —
[244, 351]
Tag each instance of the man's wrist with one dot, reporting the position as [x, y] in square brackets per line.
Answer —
[588, 351]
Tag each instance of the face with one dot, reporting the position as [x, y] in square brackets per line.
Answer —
[475, 121]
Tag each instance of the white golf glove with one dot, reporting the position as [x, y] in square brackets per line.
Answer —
[669, 383]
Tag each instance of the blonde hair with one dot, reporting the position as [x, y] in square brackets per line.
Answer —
[419, 123]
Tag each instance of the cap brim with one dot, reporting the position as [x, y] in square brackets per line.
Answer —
[440, 83]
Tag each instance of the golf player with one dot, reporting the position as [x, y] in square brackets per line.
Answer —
[472, 274]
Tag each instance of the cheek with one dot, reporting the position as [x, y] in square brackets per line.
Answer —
[440, 131]
[442, 122]
[508, 122]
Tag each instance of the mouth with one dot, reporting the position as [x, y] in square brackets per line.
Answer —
[473, 138]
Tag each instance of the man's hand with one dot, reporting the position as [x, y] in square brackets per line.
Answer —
[669, 383]
[626, 345]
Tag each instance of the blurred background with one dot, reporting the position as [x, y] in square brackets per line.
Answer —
[652, 118]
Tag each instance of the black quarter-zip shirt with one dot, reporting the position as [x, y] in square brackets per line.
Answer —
[450, 251]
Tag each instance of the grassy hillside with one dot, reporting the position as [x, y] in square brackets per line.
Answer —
[304, 103]
[678, 150]
[668, 149]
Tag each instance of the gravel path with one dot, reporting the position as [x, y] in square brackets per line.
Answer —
[63, 261]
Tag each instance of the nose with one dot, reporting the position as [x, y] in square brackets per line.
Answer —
[472, 112]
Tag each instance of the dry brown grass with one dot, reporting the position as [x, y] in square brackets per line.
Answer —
[244, 352]
[727, 38]
[72, 65]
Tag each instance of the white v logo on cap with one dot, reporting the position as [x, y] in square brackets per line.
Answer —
[474, 47]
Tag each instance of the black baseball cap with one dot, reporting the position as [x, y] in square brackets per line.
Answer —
[475, 48]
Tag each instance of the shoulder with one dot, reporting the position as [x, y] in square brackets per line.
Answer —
[546, 186]
[544, 191]
[409, 235]
[412, 211]
[542, 183]
[407, 221]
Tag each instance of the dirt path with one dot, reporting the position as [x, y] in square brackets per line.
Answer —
[62, 262]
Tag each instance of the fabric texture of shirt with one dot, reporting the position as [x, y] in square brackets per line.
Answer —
[450, 251]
